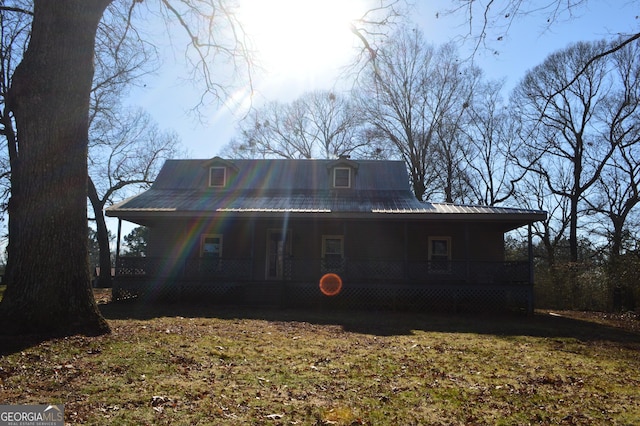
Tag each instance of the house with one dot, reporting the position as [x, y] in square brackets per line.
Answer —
[267, 231]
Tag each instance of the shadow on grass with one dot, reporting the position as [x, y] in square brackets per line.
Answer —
[388, 323]
[13, 344]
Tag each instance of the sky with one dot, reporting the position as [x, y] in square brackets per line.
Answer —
[303, 45]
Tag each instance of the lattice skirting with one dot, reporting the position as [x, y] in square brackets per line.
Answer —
[444, 297]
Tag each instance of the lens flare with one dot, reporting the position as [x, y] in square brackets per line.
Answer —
[330, 284]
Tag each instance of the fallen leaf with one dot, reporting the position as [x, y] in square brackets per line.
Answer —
[275, 416]
[157, 400]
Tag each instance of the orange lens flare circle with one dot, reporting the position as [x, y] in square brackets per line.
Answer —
[330, 284]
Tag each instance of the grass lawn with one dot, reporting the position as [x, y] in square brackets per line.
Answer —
[196, 365]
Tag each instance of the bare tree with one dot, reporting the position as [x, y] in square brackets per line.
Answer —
[532, 193]
[451, 148]
[412, 90]
[319, 124]
[490, 137]
[276, 130]
[562, 129]
[617, 195]
[49, 174]
[129, 156]
[49, 100]
[121, 58]
[395, 105]
[490, 21]
[617, 190]
[450, 168]
[335, 123]
[15, 29]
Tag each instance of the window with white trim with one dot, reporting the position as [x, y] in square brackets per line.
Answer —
[333, 252]
[440, 254]
[217, 177]
[211, 246]
[342, 177]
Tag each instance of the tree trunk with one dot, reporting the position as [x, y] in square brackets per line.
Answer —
[102, 233]
[573, 229]
[48, 288]
[616, 239]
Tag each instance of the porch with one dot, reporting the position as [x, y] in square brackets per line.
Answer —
[380, 283]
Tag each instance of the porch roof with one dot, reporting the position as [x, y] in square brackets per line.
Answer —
[176, 203]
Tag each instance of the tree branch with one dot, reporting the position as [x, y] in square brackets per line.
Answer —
[15, 9]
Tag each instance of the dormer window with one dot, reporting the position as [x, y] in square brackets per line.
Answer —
[342, 173]
[342, 177]
[217, 177]
[221, 173]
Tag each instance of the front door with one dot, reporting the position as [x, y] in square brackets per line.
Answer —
[277, 249]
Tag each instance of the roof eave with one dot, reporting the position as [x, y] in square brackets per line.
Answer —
[515, 219]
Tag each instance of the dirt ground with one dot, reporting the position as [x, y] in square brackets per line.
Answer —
[628, 321]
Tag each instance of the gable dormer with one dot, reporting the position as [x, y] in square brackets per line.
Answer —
[219, 172]
[342, 173]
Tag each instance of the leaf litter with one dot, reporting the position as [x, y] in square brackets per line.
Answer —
[229, 370]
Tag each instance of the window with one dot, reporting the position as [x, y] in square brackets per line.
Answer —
[342, 177]
[211, 246]
[217, 177]
[440, 254]
[332, 252]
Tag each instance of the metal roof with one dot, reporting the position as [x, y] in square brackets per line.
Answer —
[283, 175]
[300, 188]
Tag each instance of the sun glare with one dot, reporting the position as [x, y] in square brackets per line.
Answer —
[295, 38]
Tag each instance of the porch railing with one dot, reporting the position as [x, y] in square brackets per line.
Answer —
[194, 268]
[310, 270]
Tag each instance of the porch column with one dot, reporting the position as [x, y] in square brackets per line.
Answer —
[118, 245]
[530, 254]
[467, 249]
[252, 227]
[344, 228]
[406, 251]
[344, 248]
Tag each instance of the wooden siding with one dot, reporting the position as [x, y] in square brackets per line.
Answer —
[364, 241]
